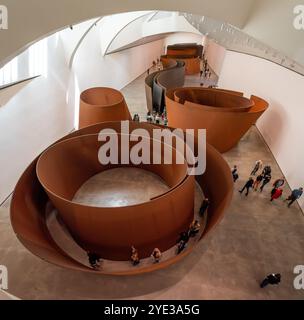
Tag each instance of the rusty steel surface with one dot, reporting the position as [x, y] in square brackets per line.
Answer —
[192, 64]
[102, 104]
[30, 201]
[226, 115]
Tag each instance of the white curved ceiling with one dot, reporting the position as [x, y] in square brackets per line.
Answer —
[270, 21]
[31, 20]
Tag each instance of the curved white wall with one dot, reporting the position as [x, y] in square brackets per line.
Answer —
[215, 55]
[282, 126]
[35, 114]
[30, 20]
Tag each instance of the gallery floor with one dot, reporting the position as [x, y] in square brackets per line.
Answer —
[255, 238]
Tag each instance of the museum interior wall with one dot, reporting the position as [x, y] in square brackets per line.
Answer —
[61, 88]
[215, 54]
[282, 125]
[71, 12]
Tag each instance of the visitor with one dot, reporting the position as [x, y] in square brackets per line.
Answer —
[271, 279]
[295, 195]
[266, 170]
[276, 194]
[194, 228]
[257, 182]
[204, 207]
[279, 183]
[136, 117]
[94, 260]
[153, 116]
[247, 186]
[257, 166]
[235, 174]
[156, 255]
[134, 256]
[149, 117]
[266, 180]
[184, 236]
[157, 119]
[181, 246]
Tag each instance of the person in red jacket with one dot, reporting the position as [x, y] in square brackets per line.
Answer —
[276, 194]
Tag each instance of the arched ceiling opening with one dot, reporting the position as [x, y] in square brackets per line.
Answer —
[269, 21]
[31, 20]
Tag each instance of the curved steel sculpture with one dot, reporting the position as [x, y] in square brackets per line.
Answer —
[192, 64]
[158, 82]
[225, 114]
[111, 232]
[102, 104]
[189, 53]
[60, 177]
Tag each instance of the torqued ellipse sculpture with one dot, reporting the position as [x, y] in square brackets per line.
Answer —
[226, 115]
[53, 178]
[102, 104]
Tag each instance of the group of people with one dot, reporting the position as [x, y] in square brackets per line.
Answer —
[135, 260]
[194, 228]
[262, 179]
[156, 255]
[157, 118]
[205, 70]
[185, 236]
[155, 64]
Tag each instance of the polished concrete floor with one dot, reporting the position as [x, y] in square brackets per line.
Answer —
[120, 187]
[255, 238]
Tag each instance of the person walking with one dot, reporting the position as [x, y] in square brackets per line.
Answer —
[235, 174]
[194, 228]
[136, 117]
[181, 246]
[266, 170]
[247, 186]
[276, 194]
[204, 207]
[149, 117]
[279, 183]
[134, 256]
[295, 195]
[156, 255]
[184, 236]
[257, 166]
[271, 279]
[257, 182]
[157, 119]
[94, 260]
[266, 180]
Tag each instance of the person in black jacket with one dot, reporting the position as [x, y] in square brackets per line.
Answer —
[271, 279]
[235, 174]
[247, 186]
[94, 260]
[184, 236]
[266, 171]
[204, 207]
[266, 180]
